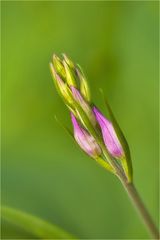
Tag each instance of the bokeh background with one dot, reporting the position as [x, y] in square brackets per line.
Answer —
[43, 171]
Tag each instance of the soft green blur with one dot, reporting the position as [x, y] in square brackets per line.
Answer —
[43, 171]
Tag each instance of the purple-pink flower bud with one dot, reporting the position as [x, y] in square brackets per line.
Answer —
[84, 139]
[85, 106]
[109, 135]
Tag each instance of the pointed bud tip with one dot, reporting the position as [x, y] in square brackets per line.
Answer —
[68, 61]
[55, 57]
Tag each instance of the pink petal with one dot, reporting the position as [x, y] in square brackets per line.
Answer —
[84, 139]
[109, 135]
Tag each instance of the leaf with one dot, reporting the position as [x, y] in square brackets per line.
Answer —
[126, 162]
[34, 225]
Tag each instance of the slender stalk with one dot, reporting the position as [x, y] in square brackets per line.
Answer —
[141, 209]
[135, 198]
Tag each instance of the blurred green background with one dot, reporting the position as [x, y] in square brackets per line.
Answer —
[43, 171]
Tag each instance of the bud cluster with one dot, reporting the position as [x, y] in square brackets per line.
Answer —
[95, 134]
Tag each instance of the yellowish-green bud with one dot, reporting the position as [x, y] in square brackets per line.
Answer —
[70, 75]
[68, 61]
[61, 86]
[59, 66]
[84, 88]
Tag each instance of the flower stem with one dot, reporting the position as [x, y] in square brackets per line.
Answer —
[134, 196]
[141, 209]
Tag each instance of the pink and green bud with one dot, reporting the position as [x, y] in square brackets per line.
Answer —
[110, 138]
[84, 105]
[71, 74]
[86, 141]
[61, 86]
[64, 70]
[99, 137]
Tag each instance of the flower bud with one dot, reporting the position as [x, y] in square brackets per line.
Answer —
[61, 86]
[109, 135]
[57, 63]
[70, 75]
[85, 140]
[84, 89]
[68, 61]
[84, 105]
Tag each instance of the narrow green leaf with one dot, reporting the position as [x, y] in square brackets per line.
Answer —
[34, 225]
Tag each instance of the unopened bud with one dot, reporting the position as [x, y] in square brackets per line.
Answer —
[85, 140]
[59, 66]
[70, 76]
[84, 88]
[84, 105]
[61, 86]
[68, 61]
[109, 135]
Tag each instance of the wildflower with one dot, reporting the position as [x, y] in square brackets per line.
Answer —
[109, 143]
[84, 139]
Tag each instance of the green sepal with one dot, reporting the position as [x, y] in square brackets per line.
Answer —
[105, 164]
[126, 160]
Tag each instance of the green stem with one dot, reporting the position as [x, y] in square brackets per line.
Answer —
[134, 196]
[141, 209]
